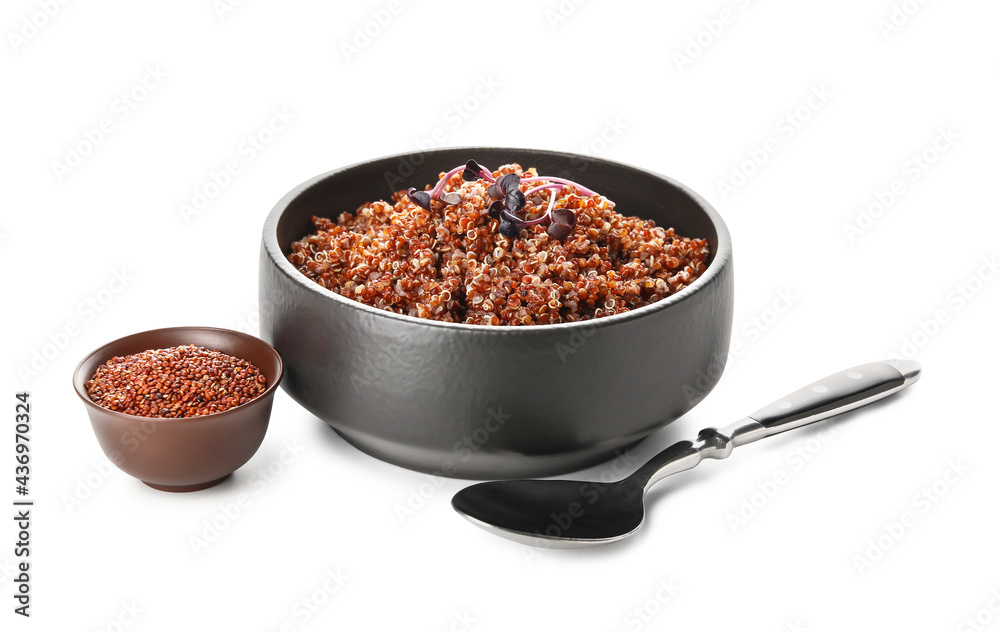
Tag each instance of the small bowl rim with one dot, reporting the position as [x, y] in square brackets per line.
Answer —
[82, 394]
[720, 259]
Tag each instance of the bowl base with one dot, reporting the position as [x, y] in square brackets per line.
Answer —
[186, 488]
[487, 467]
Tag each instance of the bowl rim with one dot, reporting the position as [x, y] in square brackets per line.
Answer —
[721, 258]
[77, 372]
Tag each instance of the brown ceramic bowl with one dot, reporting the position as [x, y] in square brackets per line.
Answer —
[183, 455]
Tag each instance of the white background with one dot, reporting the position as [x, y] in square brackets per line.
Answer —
[607, 78]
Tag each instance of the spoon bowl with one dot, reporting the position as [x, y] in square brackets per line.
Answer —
[554, 513]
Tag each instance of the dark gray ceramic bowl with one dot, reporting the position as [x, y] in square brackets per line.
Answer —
[494, 402]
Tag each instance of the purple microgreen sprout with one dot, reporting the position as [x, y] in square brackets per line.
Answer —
[579, 187]
[423, 198]
[562, 223]
[542, 187]
[420, 198]
[509, 200]
[475, 171]
[436, 191]
[508, 182]
[561, 220]
[548, 211]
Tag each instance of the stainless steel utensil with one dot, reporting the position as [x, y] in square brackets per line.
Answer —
[576, 514]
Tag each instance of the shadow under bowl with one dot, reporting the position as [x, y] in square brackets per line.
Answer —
[187, 454]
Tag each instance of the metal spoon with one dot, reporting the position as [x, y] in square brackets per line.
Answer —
[576, 514]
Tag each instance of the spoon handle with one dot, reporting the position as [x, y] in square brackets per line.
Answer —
[820, 400]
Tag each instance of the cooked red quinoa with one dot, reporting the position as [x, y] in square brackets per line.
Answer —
[186, 381]
[452, 265]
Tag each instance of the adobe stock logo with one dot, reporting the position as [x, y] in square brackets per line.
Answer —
[58, 340]
[984, 617]
[364, 34]
[787, 126]
[712, 29]
[887, 197]
[644, 612]
[898, 17]
[33, 24]
[249, 148]
[956, 299]
[921, 503]
[122, 106]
